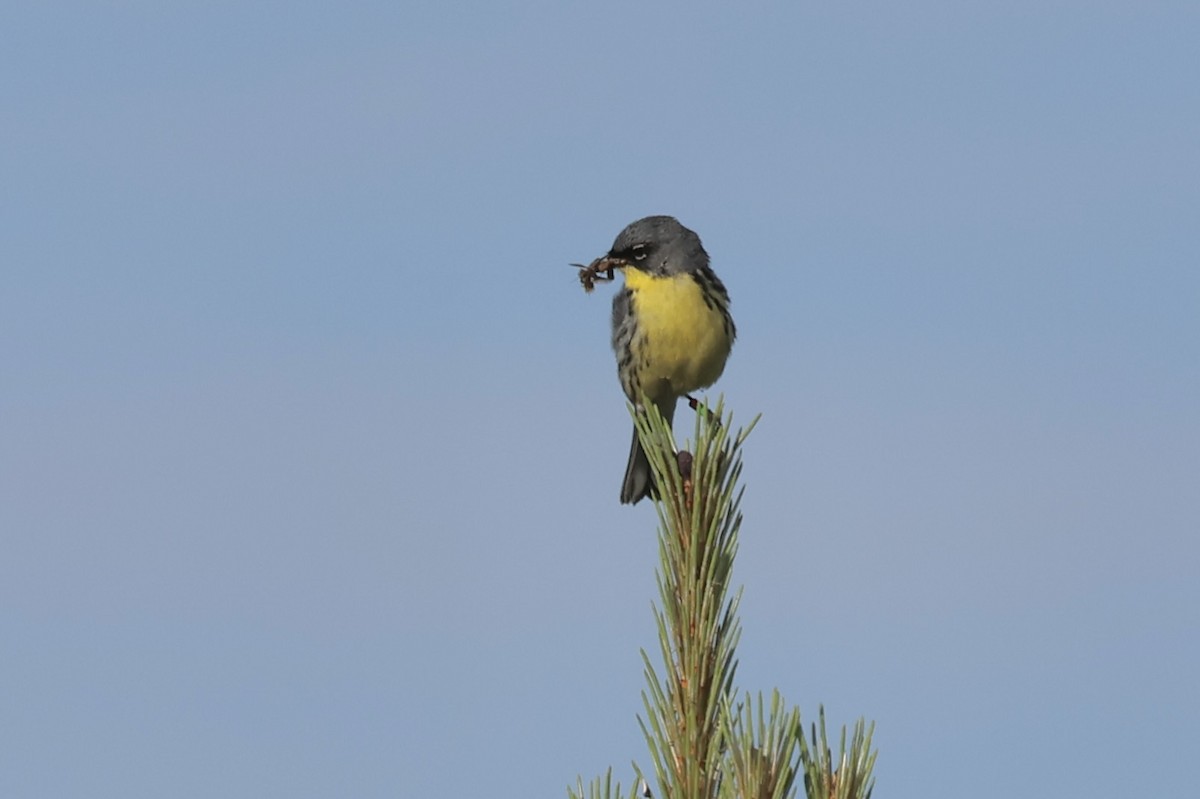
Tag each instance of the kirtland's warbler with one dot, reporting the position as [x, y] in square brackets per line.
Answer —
[671, 328]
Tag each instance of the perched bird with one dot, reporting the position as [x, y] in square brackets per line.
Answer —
[671, 328]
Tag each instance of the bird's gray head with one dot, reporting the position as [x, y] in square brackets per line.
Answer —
[659, 245]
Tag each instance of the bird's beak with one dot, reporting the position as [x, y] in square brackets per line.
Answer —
[609, 261]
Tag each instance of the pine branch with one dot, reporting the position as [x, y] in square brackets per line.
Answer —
[852, 777]
[697, 620]
[703, 746]
[763, 748]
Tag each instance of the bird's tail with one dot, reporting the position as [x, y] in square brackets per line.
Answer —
[639, 480]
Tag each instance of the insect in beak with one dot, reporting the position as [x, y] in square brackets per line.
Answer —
[598, 271]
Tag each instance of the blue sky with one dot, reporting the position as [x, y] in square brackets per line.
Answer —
[310, 443]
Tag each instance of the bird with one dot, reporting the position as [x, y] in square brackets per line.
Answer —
[671, 327]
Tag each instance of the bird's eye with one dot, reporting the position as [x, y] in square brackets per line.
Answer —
[639, 252]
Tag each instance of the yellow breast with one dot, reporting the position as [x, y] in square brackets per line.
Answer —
[684, 342]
